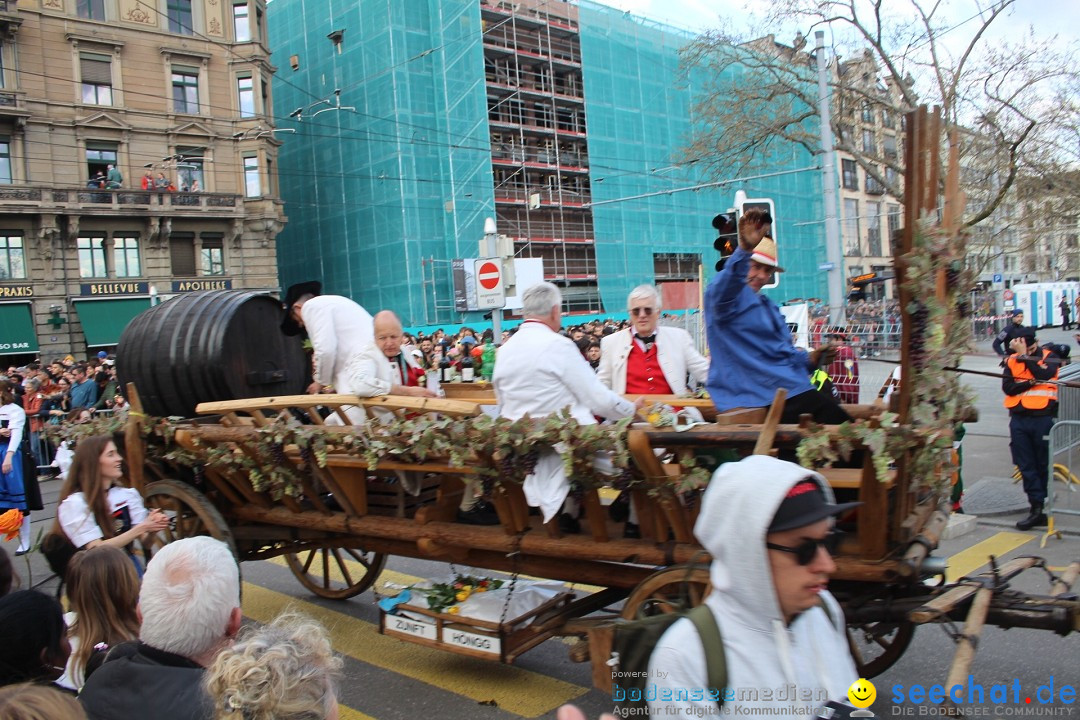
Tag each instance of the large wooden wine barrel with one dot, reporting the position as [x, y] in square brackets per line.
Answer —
[208, 346]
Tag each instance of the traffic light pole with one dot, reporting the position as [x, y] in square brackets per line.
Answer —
[828, 183]
[491, 236]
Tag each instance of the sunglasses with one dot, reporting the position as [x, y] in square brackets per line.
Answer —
[807, 550]
[646, 311]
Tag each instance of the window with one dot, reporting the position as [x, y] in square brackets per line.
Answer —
[852, 244]
[5, 161]
[252, 187]
[91, 9]
[260, 31]
[126, 256]
[213, 255]
[851, 175]
[894, 220]
[867, 113]
[99, 155]
[190, 170]
[180, 17]
[91, 257]
[12, 261]
[96, 71]
[185, 88]
[245, 87]
[873, 187]
[887, 119]
[873, 228]
[889, 144]
[868, 145]
[241, 22]
[182, 254]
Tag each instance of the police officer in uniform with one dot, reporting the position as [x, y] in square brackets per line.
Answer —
[1011, 331]
[1032, 405]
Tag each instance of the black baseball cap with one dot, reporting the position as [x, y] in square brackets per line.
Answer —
[804, 505]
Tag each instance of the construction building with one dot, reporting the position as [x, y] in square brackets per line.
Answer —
[565, 122]
[177, 90]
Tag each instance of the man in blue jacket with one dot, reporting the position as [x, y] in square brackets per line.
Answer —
[749, 340]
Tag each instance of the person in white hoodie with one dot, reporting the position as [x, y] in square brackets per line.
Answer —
[768, 525]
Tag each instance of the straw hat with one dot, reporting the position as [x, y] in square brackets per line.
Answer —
[765, 253]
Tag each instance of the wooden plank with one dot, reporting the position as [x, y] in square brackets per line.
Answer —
[873, 518]
[134, 449]
[184, 439]
[768, 431]
[275, 403]
[422, 404]
[851, 478]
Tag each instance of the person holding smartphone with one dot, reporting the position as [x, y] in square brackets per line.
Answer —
[12, 487]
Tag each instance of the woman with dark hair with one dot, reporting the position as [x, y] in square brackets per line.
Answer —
[34, 638]
[95, 507]
[103, 590]
[12, 486]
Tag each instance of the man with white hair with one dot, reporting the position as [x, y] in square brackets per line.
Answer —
[540, 372]
[647, 359]
[190, 609]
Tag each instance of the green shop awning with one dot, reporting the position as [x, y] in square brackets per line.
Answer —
[17, 333]
[103, 321]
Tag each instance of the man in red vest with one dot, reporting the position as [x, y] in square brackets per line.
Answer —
[1032, 404]
[646, 359]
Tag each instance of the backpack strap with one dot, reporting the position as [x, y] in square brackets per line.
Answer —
[715, 661]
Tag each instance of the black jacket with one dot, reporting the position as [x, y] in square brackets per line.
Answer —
[138, 681]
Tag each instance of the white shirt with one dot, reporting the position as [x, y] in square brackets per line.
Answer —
[16, 419]
[78, 521]
[540, 372]
[675, 352]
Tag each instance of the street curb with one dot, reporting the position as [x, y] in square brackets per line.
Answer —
[1038, 534]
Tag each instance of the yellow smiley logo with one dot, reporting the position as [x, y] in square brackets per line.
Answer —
[862, 693]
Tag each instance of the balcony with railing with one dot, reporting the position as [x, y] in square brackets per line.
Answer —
[129, 202]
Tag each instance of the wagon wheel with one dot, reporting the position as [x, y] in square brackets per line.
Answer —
[191, 512]
[666, 591]
[336, 573]
[877, 645]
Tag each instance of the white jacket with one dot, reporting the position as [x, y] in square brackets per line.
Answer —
[675, 352]
[371, 373]
[762, 652]
[539, 372]
[339, 329]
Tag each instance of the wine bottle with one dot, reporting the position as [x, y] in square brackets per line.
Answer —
[468, 368]
[445, 369]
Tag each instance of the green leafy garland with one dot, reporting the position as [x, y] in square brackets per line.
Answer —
[939, 402]
[500, 450]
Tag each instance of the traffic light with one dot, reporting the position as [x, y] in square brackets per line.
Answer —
[727, 227]
[765, 204]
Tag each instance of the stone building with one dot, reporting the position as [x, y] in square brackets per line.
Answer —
[176, 89]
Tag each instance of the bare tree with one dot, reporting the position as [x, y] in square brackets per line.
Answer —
[1014, 100]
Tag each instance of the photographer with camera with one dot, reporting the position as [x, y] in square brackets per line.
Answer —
[749, 341]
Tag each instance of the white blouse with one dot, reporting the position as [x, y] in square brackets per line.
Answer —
[16, 421]
[80, 525]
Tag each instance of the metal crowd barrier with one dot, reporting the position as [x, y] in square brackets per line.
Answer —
[1063, 490]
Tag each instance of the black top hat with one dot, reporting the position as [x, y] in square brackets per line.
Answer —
[289, 326]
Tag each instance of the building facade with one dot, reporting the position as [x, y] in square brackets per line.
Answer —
[564, 122]
[177, 92]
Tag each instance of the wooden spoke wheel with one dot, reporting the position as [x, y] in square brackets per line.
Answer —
[667, 591]
[336, 573]
[191, 514]
[876, 646]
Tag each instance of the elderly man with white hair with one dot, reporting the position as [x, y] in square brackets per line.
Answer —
[648, 359]
[190, 609]
[540, 372]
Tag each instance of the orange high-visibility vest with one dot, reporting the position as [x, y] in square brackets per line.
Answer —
[1039, 396]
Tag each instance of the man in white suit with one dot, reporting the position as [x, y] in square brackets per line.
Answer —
[540, 372]
[648, 359]
[382, 368]
[339, 330]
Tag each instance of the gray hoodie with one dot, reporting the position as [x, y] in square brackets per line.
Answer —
[791, 669]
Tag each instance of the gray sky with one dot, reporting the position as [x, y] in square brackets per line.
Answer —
[1045, 16]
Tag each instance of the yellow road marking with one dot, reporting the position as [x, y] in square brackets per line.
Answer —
[347, 713]
[515, 690]
[967, 561]
[393, 577]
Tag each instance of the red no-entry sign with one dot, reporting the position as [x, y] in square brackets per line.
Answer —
[488, 275]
